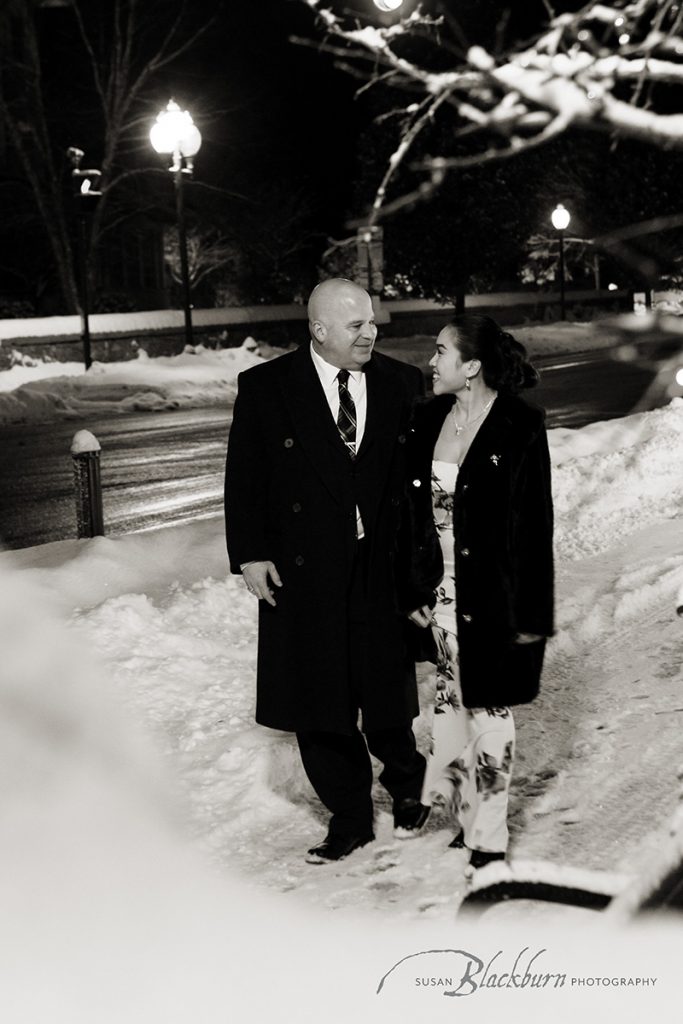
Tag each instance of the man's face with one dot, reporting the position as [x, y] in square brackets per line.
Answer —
[344, 333]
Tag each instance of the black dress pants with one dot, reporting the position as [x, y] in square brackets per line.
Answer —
[339, 769]
[338, 765]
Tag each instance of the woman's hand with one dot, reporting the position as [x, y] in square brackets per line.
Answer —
[527, 638]
[422, 616]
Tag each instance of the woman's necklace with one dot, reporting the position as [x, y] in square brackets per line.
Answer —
[459, 427]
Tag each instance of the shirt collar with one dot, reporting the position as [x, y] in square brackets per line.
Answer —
[328, 373]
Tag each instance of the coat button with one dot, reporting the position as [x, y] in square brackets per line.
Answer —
[296, 507]
[289, 442]
[467, 618]
[417, 483]
[465, 487]
[401, 438]
[299, 560]
[465, 552]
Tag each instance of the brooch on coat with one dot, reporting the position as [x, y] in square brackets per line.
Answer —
[495, 459]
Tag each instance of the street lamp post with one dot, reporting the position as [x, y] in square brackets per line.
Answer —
[560, 218]
[370, 258]
[176, 134]
[86, 196]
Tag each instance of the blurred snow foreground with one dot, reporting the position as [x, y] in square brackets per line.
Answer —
[126, 726]
[108, 915]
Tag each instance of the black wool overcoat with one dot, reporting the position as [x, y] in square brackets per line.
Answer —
[503, 545]
[290, 497]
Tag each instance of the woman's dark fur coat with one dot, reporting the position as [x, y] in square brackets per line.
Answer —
[503, 528]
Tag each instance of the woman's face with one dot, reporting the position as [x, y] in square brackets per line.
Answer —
[448, 369]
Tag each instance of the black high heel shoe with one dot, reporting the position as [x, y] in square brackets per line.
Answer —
[480, 858]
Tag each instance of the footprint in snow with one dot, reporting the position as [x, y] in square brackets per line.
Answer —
[383, 859]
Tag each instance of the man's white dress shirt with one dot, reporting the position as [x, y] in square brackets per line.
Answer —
[358, 390]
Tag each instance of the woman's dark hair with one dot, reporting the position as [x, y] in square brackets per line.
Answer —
[504, 363]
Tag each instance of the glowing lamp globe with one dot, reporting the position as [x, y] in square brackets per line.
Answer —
[175, 132]
[560, 217]
[388, 5]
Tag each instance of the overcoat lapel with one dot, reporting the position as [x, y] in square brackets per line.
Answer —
[383, 412]
[316, 431]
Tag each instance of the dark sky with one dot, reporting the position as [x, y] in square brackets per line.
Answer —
[269, 108]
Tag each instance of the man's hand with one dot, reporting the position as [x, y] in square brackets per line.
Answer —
[256, 578]
[422, 616]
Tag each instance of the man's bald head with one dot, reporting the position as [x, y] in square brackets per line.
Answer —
[329, 294]
[342, 323]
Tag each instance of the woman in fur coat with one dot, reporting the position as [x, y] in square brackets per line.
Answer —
[481, 457]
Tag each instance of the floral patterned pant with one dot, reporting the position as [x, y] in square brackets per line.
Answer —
[470, 758]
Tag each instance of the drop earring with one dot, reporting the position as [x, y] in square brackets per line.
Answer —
[467, 384]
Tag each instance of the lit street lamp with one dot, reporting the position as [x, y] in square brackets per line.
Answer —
[86, 196]
[388, 5]
[176, 134]
[560, 218]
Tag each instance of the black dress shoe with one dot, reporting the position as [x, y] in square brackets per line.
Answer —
[336, 847]
[410, 817]
[480, 858]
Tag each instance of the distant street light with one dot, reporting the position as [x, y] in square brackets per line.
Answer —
[86, 196]
[176, 134]
[560, 218]
[388, 5]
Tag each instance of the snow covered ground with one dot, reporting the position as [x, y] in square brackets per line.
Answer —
[127, 686]
[152, 863]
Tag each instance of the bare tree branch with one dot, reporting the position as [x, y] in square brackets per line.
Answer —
[576, 72]
[397, 158]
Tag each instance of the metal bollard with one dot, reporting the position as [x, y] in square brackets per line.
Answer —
[85, 452]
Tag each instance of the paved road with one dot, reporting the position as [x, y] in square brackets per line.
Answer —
[159, 468]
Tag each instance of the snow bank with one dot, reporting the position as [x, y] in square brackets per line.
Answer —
[197, 377]
[611, 479]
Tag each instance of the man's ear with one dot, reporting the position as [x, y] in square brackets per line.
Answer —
[319, 330]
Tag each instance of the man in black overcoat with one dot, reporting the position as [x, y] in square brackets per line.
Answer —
[315, 489]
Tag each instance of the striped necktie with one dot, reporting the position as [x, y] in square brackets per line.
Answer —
[346, 418]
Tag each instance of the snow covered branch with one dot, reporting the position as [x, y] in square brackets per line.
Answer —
[615, 68]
